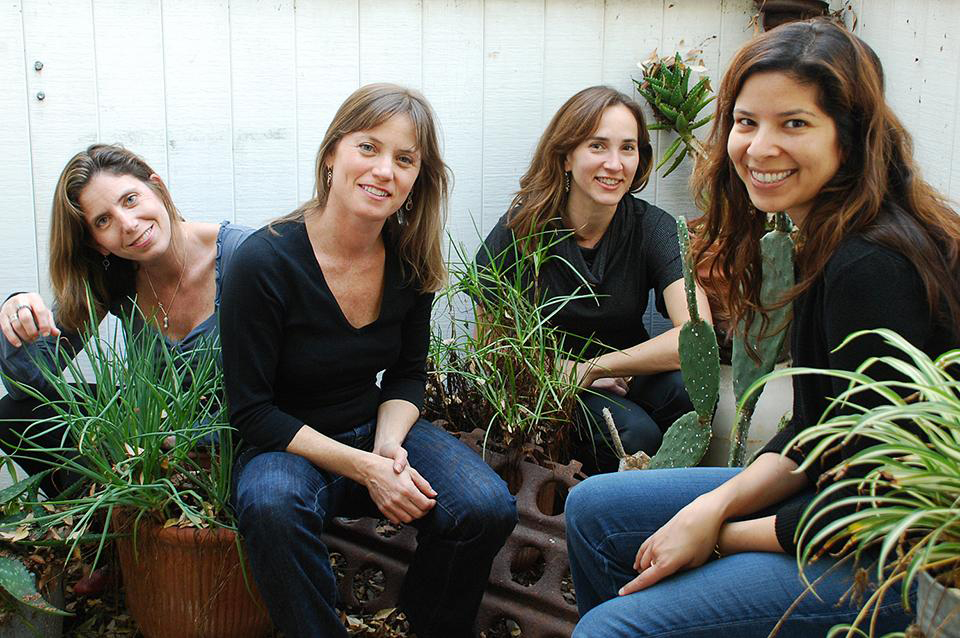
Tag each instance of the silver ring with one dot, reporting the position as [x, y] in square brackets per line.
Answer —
[17, 310]
[13, 318]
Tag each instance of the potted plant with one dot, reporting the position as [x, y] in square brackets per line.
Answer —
[153, 452]
[899, 495]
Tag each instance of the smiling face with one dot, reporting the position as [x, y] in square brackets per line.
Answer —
[784, 147]
[374, 170]
[602, 166]
[125, 217]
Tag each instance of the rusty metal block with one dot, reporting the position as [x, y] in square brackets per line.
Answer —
[539, 608]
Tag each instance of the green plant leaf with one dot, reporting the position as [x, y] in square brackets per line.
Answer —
[20, 583]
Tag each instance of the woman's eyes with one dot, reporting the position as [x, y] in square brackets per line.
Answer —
[406, 159]
[131, 199]
[100, 222]
[366, 147]
[795, 123]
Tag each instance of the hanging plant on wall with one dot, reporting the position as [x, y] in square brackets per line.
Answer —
[676, 102]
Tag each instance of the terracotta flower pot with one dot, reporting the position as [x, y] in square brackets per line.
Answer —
[189, 583]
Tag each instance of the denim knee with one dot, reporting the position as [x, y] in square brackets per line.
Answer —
[271, 500]
[492, 514]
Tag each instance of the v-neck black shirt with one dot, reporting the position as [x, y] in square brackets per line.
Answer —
[290, 357]
[638, 252]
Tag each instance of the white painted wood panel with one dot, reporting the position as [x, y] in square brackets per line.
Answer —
[262, 38]
[199, 113]
[512, 99]
[572, 51]
[390, 42]
[18, 256]
[917, 43]
[66, 121]
[130, 88]
[328, 70]
[453, 31]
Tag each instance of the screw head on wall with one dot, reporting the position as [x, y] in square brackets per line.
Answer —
[38, 65]
[41, 95]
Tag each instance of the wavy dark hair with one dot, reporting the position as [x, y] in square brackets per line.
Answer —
[541, 198]
[877, 191]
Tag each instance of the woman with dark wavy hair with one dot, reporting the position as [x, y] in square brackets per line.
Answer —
[802, 127]
[578, 199]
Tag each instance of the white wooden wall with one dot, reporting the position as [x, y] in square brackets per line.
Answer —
[228, 99]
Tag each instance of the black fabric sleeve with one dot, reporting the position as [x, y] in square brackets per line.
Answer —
[664, 262]
[251, 332]
[497, 259]
[879, 290]
[407, 378]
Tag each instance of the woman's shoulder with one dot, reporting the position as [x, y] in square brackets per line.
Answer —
[856, 253]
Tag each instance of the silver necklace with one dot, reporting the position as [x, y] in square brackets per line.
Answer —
[163, 311]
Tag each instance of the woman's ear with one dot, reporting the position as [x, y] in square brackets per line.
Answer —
[154, 178]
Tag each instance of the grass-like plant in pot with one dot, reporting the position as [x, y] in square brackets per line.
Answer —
[501, 370]
[895, 503]
[149, 441]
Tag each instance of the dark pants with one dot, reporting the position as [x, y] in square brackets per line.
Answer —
[22, 418]
[284, 502]
[651, 406]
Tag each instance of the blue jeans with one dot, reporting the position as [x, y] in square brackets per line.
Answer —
[283, 503]
[651, 405]
[742, 595]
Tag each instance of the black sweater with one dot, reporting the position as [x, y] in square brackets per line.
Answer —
[863, 286]
[290, 357]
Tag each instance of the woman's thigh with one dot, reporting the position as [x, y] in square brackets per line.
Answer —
[741, 595]
[467, 488]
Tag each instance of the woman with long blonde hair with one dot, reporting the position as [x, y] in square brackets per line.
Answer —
[115, 232]
[319, 303]
[802, 126]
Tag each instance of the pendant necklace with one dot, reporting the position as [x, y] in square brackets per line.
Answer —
[163, 311]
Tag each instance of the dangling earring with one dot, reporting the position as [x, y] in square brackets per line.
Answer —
[566, 182]
[329, 176]
[106, 263]
[409, 205]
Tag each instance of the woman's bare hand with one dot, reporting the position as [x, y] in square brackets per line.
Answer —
[24, 318]
[687, 540]
[401, 497]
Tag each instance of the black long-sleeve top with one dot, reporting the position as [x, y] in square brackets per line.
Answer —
[863, 286]
[291, 358]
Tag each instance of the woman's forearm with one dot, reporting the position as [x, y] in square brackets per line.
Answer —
[768, 480]
[394, 420]
[659, 354]
[330, 455]
[756, 535]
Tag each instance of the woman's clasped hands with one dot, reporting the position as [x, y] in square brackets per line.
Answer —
[397, 489]
[24, 318]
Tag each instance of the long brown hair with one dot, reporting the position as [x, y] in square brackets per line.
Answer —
[542, 198]
[415, 234]
[877, 191]
[74, 262]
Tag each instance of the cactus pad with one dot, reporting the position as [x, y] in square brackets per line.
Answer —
[19, 583]
[700, 366]
[684, 443]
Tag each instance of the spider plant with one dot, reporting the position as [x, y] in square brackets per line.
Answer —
[148, 437]
[897, 499]
[503, 367]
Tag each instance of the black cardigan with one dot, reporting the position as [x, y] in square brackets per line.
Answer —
[863, 286]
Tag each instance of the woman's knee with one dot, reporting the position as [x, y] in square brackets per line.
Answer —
[272, 495]
[492, 510]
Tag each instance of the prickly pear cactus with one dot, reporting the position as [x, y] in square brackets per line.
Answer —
[19, 583]
[686, 441]
[776, 250]
[699, 354]
[676, 105]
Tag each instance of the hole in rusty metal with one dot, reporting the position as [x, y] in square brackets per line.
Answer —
[512, 476]
[503, 628]
[368, 584]
[387, 529]
[527, 566]
[566, 589]
[552, 497]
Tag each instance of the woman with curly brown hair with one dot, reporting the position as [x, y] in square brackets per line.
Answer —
[802, 127]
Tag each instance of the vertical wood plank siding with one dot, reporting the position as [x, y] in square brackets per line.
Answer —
[228, 99]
